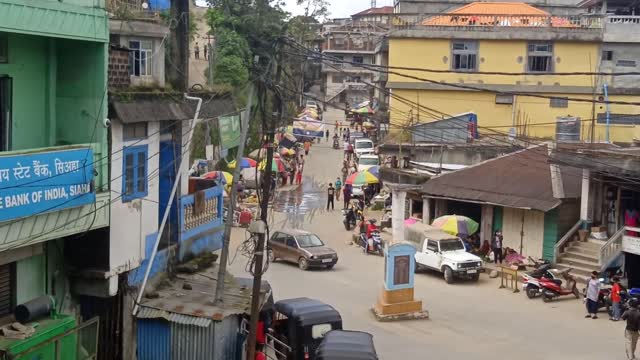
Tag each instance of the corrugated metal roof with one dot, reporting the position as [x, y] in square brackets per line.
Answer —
[376, 11]
[517, 180]
[177, 304]
[163, 108]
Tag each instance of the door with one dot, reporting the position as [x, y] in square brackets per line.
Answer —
[431, 254]
[421, 255]
[169, 162]
[277, 245]
[291, 251]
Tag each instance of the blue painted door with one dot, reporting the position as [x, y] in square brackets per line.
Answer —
[170, 156]
[154, 339]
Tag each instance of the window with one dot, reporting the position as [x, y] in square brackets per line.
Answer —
[504, 99]
[619, 119]
[464, 55]
[134, 179]
[139, 58]
[607, 55]
[432, 245]
[559, 102]
[134, 131]
[291, 242]
[358, 59]
[339, 59]
[279, 238]
[626, 63]
[319, 330]
[540, 57]
[309, 240]
[4, 48]
[337, 79]
[5, 113]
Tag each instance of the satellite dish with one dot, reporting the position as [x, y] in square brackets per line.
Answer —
[145, 5]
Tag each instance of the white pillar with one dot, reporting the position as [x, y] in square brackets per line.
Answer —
[426, 210]
[585, 199]
[397, 214]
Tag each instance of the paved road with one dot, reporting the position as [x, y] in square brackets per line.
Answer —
[468, 320]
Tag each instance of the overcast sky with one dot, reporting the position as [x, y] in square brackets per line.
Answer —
[339, 8]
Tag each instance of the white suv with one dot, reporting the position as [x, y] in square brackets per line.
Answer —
[443, 252]
[367, 161]
[363, 146]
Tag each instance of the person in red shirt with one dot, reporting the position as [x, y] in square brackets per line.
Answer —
[371, 227]
[615, 299]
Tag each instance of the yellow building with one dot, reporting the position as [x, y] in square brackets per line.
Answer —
[464, 49]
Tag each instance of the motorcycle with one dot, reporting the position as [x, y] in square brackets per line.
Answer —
[336, 143]
[373, 244]
[348, 219]
[552, 288]
[531, 280]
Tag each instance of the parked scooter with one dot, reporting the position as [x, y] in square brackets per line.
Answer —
[336, 143]
[373, 244]
[553, 288]
[531, 280]
[349, 218]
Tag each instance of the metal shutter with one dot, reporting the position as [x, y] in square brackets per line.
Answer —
[6, 286]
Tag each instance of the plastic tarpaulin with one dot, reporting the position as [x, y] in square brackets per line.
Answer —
[306, 126]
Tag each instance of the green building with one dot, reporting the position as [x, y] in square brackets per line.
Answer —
[53, 145]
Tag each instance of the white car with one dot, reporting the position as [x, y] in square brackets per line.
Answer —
[311, 104]
[363, 146]
[443, 252]
[366, 161]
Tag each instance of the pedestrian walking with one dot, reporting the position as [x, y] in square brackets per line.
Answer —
[345, 172]
[307, 147]
[632, 316]
[593, 289]
[327, 136]
[331, 191]
[197, 51]
[205, 51]
[299, 175]
[496, 246]
[615, 299]
[350, 154]
[338, 188]
[347, 195]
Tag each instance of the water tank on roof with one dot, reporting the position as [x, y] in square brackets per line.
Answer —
[567, 129]
[159, 5]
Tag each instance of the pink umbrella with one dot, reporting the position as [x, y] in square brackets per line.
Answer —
[410, 221]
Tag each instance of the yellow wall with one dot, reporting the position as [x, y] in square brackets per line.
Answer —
[502, 56]
[533, 116]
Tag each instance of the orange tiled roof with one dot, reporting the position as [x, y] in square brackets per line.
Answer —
[508, 14]
[376, 11]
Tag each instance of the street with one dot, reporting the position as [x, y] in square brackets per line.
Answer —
[467, 320]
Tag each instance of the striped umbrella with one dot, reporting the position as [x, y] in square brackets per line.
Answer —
[276, 165]
[375, 171]
[244, 163]
[223, 176]
[361, 178]
[456, 225]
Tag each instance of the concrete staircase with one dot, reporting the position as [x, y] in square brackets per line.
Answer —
[582, 257]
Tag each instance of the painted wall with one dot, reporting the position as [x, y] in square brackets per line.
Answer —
[533, 116]
[88, 3]
[206, 237]
[138, 218]
[533, 231]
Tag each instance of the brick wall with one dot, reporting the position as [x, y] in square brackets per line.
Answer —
[119, 68]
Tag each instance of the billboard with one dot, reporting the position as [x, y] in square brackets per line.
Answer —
[31, 184]
[229, 127]
[307, 126]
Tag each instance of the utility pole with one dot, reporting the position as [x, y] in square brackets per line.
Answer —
[264, 208]
[179, 74]
[224, 256]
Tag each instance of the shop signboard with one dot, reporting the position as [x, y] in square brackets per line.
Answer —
[35, 183]
[229, 127]
[631, 244]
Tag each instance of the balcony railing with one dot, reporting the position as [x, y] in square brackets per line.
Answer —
[339, 67]
[496, 20]
[128, 9]
[622, 19]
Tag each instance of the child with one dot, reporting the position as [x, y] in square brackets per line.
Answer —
[615, 299]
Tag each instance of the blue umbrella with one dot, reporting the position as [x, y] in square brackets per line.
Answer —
[375, 170]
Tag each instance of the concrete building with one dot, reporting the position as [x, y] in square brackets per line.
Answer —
[53, 150]
[555, 7]
[513, 70]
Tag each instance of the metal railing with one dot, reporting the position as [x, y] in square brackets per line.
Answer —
[622, 19]
[564, 241]
[407, 21]
[86, 341]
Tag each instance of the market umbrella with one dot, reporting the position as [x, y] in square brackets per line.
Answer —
[362, 178]
[456, 225]
[224, 176]
[285, 151]
[375, 171]
[368, 124]
[362, 110]
[244, 163]
[276, 165]
[262, 153]
[410, 221]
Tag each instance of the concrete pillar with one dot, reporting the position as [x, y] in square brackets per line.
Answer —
[586, 198]
[397, 214]
[557, 185]
[441, 208]
[426, 210]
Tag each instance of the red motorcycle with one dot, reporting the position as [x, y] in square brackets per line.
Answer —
[553, 288]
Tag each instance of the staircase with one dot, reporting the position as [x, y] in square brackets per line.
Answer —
[587, 256]
[582, 257]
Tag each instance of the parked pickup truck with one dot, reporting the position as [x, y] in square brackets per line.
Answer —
[442, 252]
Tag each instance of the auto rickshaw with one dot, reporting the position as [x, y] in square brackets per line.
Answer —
[301, 323]
[346, 345]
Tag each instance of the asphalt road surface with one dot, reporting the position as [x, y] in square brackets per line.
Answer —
[467, 320]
